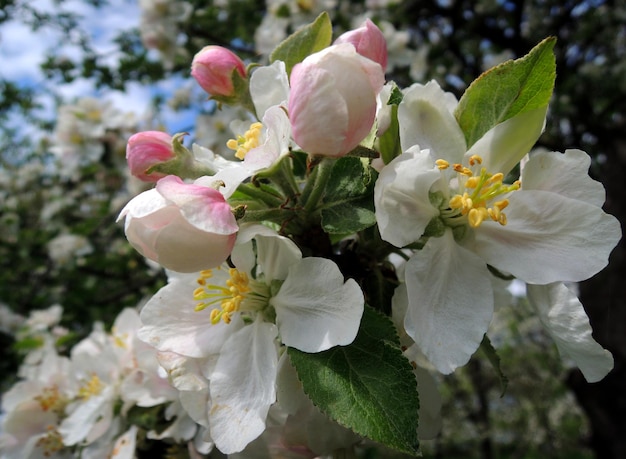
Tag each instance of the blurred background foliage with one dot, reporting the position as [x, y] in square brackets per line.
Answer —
[63, 181]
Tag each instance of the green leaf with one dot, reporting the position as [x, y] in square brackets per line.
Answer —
[507, 90]
[306, 41]
[368, 386]
[490, 352]
[348, 204]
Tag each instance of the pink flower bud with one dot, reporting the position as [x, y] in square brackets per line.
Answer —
[332, 103]
[147, 149]
[213, 68]
[184, 227]
[369, 41]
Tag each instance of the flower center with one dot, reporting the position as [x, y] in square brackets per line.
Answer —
[51, 400]
[51, 442]
[478, 192]
[229, 297]
[90, 388]
[244, 143]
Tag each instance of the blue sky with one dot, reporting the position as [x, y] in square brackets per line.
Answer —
[22, 51]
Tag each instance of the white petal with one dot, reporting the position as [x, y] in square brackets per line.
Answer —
[548, 238]
[426, 120]
[95, 412]
[243, 387]
[564, 173]
[401, 197]
[274, 253]
[278, 132]
[269, 86]
[315, 309]
[450, 302]
[563, 316]
[170, 322]
[143, 204]
[504, 145]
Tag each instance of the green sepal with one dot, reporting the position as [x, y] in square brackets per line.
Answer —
[367, 386]
[183, 164]
[241, 93]
[309, 39]
[487, 349]
[396, 96]
[348, 205]
[507, 90]
[389, 142]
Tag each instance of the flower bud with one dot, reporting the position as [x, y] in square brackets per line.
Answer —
[147, 149]
[332, 102]
[369, 41]
[184, 227]
[213, 68]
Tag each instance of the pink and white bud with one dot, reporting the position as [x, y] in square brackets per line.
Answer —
[332, 102]
[213, 67]
[369, 41]
[147, 149]
[184, 227]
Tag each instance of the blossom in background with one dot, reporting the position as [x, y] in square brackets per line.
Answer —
[233, 319]
[457, 199]
[83, 131]
[65, 248]
[159, 26]
[332, 103]
[184, 227]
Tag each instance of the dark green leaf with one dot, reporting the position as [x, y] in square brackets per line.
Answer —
[348, 204]
[368, 386]
[507, 90]
[306, 41]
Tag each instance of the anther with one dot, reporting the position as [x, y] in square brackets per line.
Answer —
[442, 164]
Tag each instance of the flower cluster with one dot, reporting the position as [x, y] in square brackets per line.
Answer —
[353, 243]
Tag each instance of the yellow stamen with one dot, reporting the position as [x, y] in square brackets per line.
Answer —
[244, 143]
[442, 164]
[51, 400]
[90, 388]
[51, 442]
[475, 159]
[229, 297]
[484, 187]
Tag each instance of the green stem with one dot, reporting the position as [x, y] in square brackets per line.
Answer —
[315, 186]
[273, 215]
[260, 194]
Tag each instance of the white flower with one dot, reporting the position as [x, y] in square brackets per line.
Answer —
[235, 317]
[259, 147]
[455, 200]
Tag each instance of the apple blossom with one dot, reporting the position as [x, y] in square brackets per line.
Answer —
[369, 41]
[146, 149]
[184, 227]
[213, 68]
[237, 314]
[467, 219]
[332, 103]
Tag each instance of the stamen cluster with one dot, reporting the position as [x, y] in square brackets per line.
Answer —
[229, 297]
[244, 143]
[484, 187]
